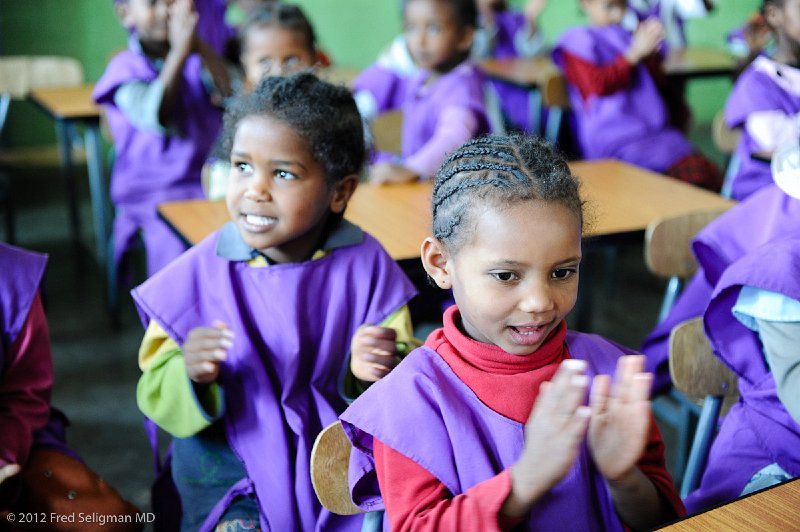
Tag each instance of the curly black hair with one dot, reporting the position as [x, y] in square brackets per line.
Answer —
[279, 15]
[464, 11]
[323, 114]
[502, 169]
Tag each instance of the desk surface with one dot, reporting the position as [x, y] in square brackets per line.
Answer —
[775, 508]
[685, 63]
[67, 102]
[621, 199]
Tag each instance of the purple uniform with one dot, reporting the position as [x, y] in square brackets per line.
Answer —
[765, 103]
[151, 167]
[293, 324]
[463, 442]
[632, 124]
[768, 215]
[758, 430]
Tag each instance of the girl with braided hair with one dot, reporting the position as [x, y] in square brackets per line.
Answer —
[502, 432]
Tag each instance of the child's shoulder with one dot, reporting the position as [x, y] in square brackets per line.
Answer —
[600, 352]
[126, 66]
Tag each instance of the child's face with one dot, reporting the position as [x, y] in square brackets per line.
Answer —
[785, 22]
[277, 192]
[274, 51]
[150, 19]
[604, 12]
[518, 276]
[434, 39]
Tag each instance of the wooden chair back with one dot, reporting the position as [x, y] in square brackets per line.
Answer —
[694, 369]
[330, 459]
[667, 247]
[20, 74]
[554, 90]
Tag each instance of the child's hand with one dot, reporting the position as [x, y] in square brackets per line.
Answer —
[620, 421]
[7, 471]
[533, 9]
[374, 352]
[553, 436]
[182, 26]
[384, 173]
[646, 40]
[205, 349]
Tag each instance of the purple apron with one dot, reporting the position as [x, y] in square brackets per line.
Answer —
[22, 273]
[292, 324]
[767, 215]
[757, 89]
[758, 430]
[632, 124]
[151, 168]
[444, 410]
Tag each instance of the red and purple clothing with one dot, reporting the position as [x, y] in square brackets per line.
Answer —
[468, 403]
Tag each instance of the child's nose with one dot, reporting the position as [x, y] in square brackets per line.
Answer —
[259, 189]
[537, 298]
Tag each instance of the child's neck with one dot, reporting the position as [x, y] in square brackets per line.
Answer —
[787, 52]
[447, 67]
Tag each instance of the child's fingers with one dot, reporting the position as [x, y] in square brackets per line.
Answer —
[562, 387]
[382, 358]
[599, 394]
[375, 332]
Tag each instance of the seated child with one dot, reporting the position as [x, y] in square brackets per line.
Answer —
[672, 14]
[158, 101]
[442, 104]
[496, 397]
[249, 331]
[765, 101]
[32, 434]
[275, 40]
[772, 213]
[753, 323]
[615, 89]
[504, 33]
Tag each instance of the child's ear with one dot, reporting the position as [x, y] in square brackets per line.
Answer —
[467, 36]
[342, 192]
[434, 259]
[773, 15]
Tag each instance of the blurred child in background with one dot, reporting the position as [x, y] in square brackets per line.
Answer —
[671, 13]
[765, 101]
[442, 104]
[621, 101]
[158, 98]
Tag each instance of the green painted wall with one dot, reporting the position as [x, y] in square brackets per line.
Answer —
[351, 31]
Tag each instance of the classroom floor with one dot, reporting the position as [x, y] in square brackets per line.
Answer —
[95, 365]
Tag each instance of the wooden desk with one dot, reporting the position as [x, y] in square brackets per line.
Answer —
[69, 106]
[773, 509]
[696, 62]
[621, 201]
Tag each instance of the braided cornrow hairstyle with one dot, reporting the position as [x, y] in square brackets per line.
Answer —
[502, 170]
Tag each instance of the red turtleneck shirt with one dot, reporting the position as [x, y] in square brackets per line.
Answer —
[509, 385]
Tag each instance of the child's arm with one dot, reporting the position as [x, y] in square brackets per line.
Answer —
[166, 394]
[216, 66]
[603, 80]
[618, 434]
[182, 39]
[25, 385]
[455, 126]
[531, 12]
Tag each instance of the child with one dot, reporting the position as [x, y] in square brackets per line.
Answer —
[160, 112]
[753, 323]
[32, 434]
[615, 83]
[671, 13]
[765, 101]
[505, 33]
[260, 315]
[494, 443]
[443, 104]
[772, 213]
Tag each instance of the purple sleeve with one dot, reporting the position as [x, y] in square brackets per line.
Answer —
[455, 126]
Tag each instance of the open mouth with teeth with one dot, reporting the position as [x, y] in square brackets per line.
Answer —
[256, 221]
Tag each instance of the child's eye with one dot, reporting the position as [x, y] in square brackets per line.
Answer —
[434, 28]
[563, 273]
[291, 62]
[504, 276]
[242, 167]
[285, 175]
